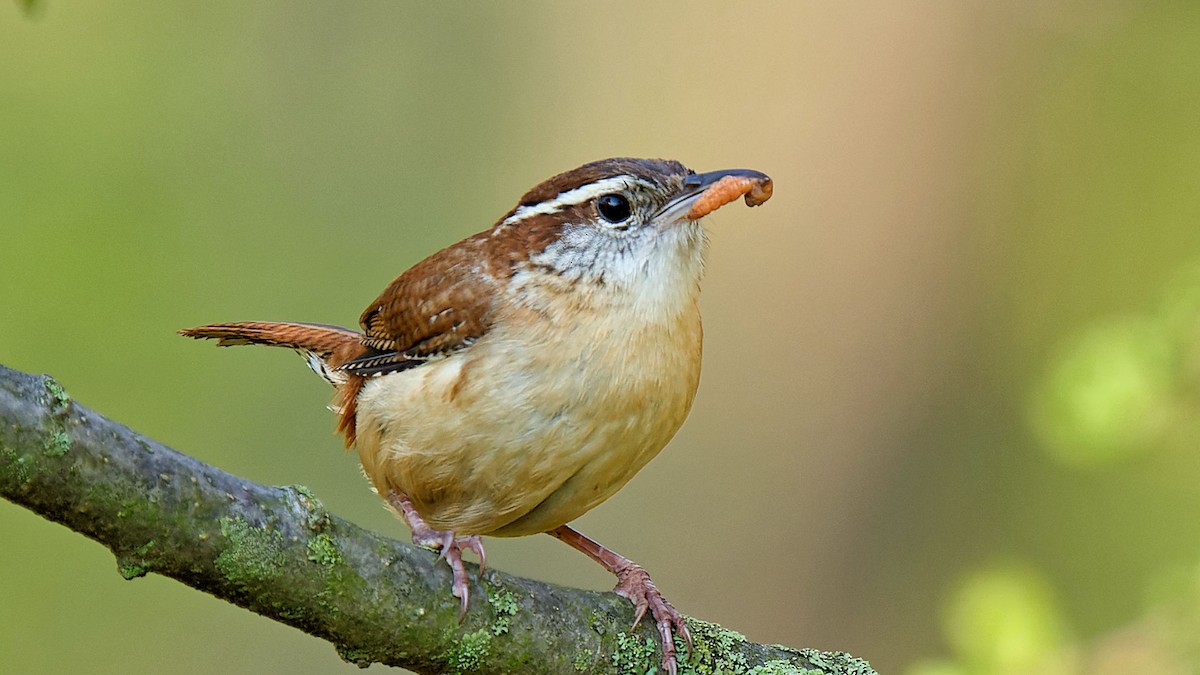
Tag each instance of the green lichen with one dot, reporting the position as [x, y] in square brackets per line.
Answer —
[10, 456]
[251, 554]
[635, 655]
[57, 444]
[504, 606]
[304, 491]
[59, 399]
[714, 649]
[470, 652]
[359, 657]
[316, 517]
[598, 622]
[131, 570]
[323, 551]
[782, 667]
[583, 660]
[343, 588]
[836, 662]
[135, 565]
[717, 650]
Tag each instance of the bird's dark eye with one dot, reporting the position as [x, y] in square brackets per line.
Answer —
[614, 208]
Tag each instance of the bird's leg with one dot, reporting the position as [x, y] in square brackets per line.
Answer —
[634, 583]
[451, 547]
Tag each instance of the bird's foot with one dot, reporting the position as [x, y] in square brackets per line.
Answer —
[633, 582]
[449, 546]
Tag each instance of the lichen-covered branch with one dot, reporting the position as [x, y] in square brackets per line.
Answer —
[278, 552]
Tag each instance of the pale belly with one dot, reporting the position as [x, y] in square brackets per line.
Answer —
[515, 436]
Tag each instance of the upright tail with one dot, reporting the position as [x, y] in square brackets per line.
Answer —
[324, 347]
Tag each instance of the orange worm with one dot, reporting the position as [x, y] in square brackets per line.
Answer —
[726, 190]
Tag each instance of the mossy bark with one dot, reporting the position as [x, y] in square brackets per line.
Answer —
[277, 552]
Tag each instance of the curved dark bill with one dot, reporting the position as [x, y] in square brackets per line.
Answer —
[695, 185]
[698, 181]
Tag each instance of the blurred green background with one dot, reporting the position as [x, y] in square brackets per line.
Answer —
[948, 419]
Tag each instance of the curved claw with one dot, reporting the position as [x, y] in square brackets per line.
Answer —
[633, 582]
[475, 543]
[461, 588]
[449, 546]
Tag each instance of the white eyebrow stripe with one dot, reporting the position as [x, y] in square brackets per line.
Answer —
[570, 198]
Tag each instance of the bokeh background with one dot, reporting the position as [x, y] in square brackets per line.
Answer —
[948, 418]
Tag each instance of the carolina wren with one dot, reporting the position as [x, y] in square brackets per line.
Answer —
[509, 383]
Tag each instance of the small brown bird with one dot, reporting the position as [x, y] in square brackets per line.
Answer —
[508, 384]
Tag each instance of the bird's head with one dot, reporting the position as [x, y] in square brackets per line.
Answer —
[623, 222]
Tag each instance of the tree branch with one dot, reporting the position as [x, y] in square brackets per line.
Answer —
[279, 553]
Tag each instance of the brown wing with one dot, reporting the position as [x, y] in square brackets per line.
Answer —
[437, 307]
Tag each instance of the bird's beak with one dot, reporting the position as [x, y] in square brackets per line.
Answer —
[704, 193]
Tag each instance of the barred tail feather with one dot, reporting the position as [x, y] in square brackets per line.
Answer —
[323, 347]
